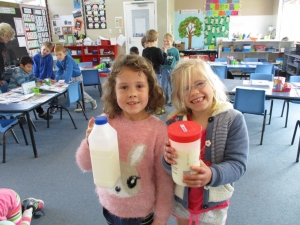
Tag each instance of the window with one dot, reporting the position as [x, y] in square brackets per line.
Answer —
[290, 19]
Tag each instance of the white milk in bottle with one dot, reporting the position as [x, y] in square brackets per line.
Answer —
[185, 138]
[103, 143]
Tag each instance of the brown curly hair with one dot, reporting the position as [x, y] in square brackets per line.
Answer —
[136, 63]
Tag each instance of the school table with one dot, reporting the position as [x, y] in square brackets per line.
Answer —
[243, 65]
[27, 107]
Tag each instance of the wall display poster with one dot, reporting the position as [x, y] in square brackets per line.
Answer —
[119, 22]
[222, 7]
[95, 13]
[19, 26]
[78, 24]
[35, 26]
[188, 28]
[215, 26]
[77, 4]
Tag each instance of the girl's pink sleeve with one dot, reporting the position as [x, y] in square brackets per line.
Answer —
[164, 183]
[83, 157]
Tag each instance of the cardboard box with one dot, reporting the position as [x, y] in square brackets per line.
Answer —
[180, 47]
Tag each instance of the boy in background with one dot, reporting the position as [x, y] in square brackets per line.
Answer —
[144, 43]
[24, 74]
[43, 62]
[155, 55]
[67, 69]
[170, 62]
[134, 51]
[43, 65]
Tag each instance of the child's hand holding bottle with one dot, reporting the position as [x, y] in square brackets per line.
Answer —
[201, 178]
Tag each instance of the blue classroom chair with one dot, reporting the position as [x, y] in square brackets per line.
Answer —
[221, 71]
[251, 102]
[268, 77]
[292, 79]
[73, 95]
[6, 126]
[248, 70]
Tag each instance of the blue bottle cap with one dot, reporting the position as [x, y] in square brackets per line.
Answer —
[100, 120]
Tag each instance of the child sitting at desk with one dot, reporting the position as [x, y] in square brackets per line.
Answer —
[24, 74]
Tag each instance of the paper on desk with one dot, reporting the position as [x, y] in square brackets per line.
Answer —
[54, 88]
[40, 98]
[237, 65]
[121, 40]
[253, 63]
[11, 97]
[296, 84]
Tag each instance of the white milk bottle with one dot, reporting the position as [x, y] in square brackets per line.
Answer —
[103, 143]
[185, 138]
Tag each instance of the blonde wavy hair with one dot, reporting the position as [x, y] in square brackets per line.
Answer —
[6, 31]
[182, 76]
[136, 63]
[151, 35]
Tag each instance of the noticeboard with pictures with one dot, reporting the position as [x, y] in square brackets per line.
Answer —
[36, 27]
[95, 13]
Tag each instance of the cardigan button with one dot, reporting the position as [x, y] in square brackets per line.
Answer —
[207, 143]
[210, 119]
[205, 206]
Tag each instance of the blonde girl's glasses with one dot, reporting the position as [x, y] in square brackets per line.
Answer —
[198, 85]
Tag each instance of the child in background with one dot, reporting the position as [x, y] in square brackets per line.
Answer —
[134, 50]
[24, 74]
[7, 33]
[200, 96]
[43, 62]
[172, 58]
[144, 43]
[131, 95]
[67, 69]
[19, 213]
[154, 54]
[43, 65]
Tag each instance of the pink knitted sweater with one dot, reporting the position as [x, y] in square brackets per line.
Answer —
[141, 146]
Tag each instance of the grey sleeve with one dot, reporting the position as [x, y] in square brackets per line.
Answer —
[236, 151]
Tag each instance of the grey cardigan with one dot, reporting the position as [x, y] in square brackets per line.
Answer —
[227, 146]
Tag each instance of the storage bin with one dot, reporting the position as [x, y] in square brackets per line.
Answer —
[279, 60]
[246, 47]
[226, 49]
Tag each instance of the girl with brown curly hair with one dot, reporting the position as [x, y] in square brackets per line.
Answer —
[143, 195]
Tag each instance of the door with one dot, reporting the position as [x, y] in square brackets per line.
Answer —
[139, 16]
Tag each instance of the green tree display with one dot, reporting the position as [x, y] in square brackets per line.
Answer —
[190, 27]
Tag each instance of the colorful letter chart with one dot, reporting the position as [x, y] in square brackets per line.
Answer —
[222, 7]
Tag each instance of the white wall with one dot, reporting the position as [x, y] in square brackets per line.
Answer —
[251, 24]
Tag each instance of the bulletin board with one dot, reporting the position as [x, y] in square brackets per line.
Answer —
[95, 13]
[192, 22]
[215, 26]
[222, 7]
[35, 21]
